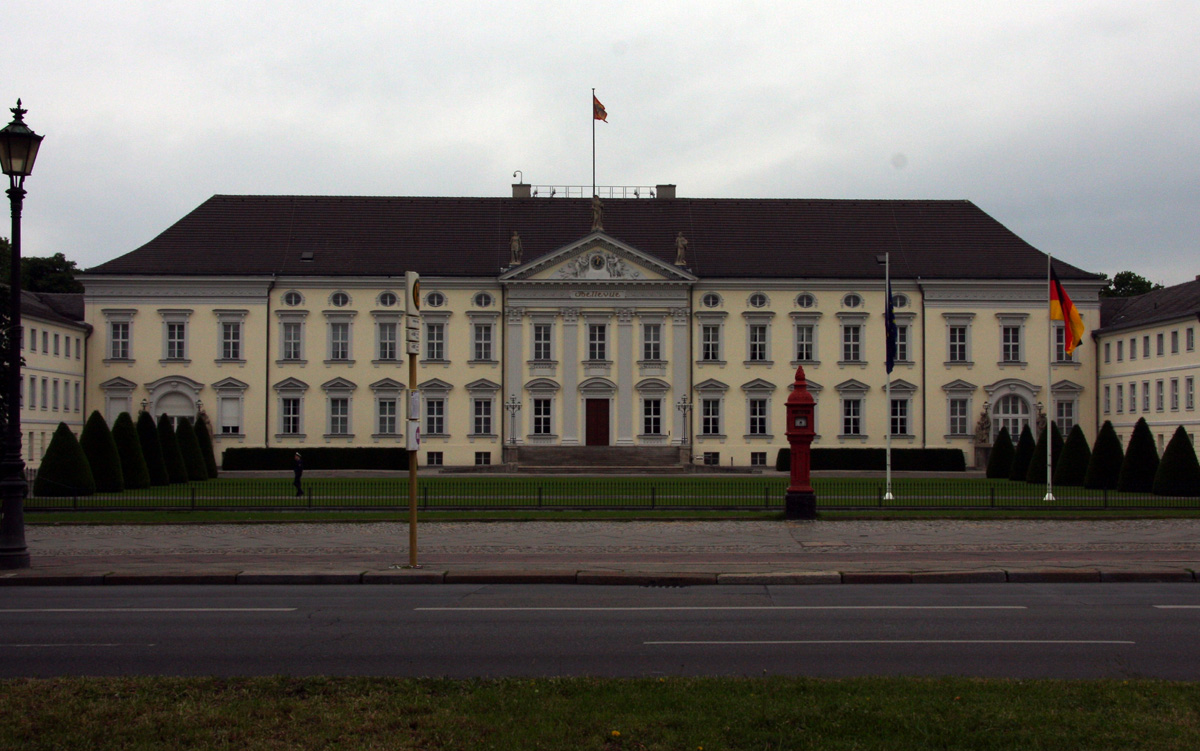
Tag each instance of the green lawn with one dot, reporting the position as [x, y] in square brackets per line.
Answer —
[680, 714]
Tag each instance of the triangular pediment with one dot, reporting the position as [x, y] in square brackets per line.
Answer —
[597, 258]
[118, 384]
[758, 384]
[853, 385]
[959, 384]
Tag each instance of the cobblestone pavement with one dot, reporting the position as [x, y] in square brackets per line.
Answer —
[647, 546]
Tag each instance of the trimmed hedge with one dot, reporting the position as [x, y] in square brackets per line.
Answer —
[129, 448]
[783, 460]
[204, 438]
[1023, 455]
[1178, 472]
[1000, 462]
[903, 460]
[185, 435]
[64, 470]
[172, 457]
[1071, 468]
[101, 452]
[236, 459]
[1036, 473]
[1107, 455]
[1141, 461]
[152, 450]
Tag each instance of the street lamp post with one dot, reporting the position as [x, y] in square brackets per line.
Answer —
[18, 150]
[684, 407]
[513, 405]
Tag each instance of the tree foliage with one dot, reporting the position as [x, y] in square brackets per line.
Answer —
[1178, 472]
[1000, 462]
[1141, 461]
[1107, 455]
[54, 273]
[1128, 284]
[204, 438]
[172, 457]
[152, 450]
[1023, 455]
[129, 448]
[185, 435]
[1071, 468]
[64, 470]
[1037, 463]
[101, 452]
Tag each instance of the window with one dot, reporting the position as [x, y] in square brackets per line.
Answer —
[852, 343]
[1012, 412]
[435, 416]
[1065, 415]
[1120, 398]
[1175, 337]
[290, 416]
[758, 342]
[1158, 396]
[435, 300]
[1120, 350]
[387, 299]
[1145, 396]
[483, 458]
[339, 299]
[805, 351]
[1108, 352]
[1189, 393]
[805, 300]
[32, 339]
[1174, 394]
[902, 342]
[958, 343]
[66, 402]
[541, 417]
[45, 342]
[1158, 345]
[959, 416]
[118, 341]
[852, 416]
[229, 414]
[386, 409]
[712, 458]
[176, 341]
[291, 341]
[339, 416]
[435, 341]
[541, 341]
[1010, 348]
[339, 340]
[77, 396]
[45, 394]
[483, 341]
[1174, 343]
[1132, 397]
[899, 301]
[758, 416]
[231, 341]
[852, 301]
[1060, 346]
[711, 300]
[483, 300]
[758, 300]
[758, 458]
[387, 340]
[899, 417]
[433, 459]
[651, 341]
[710, 416]
[710, 342]
[1190, 339]
[482, 411]
[54, 395]
[597, 341]
[1145, 346]
[652, 416]
[1107, 400]
[33, 392]
[292, 298]
[1133, 348]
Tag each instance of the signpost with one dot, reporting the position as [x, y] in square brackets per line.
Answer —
[412, 433]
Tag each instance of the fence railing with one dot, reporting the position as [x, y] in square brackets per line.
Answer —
[644, 493]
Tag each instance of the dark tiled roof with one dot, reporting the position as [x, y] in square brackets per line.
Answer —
[52, 306]
[1179, 301]
[469, 237]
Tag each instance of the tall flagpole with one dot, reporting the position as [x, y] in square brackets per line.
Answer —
[888, 329]
[1049, 396]
[593, 140]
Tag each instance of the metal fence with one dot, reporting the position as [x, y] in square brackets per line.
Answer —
[572, 493]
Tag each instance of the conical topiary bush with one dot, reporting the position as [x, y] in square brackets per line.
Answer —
[1141, 461]
[64, 470]
[190, 448]
[1023, 455]
[1178, 472]
[1105, 466]
[101, 452]
[129, 448]
[1000, 462]
[176, 469]
[204, 438]
[152, 450]
[1071, 468]
[1037, 464]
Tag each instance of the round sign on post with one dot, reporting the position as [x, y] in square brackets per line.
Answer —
[413, 436]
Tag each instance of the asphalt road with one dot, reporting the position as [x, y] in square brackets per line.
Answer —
[1016, 630]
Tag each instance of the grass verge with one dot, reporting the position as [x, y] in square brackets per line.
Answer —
[702, 714]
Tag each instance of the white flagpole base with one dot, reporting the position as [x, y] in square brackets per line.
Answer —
[889, 497]
[1049, 498]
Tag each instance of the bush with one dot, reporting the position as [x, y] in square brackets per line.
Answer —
[152, 450]
[185, 436]
[101, 452]
[1037, 464]
[64, 470]
[1022, 456]
[1178, 472]
[1141, 461]
[783, 460]
[903, 460]
[204, 438]
[129, 448]
[1071, 468]
[1000, 462]
[1107, 455]
[235, 459]
[172, 457]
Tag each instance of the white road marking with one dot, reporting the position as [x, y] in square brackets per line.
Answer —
[1178, 607]
[736, 607]
[146, 610]
[894, 641]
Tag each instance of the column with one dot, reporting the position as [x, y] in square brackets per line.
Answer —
[514, 374]
[570, 376]
[625, 359]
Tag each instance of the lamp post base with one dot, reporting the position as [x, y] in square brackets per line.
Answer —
[800, 505]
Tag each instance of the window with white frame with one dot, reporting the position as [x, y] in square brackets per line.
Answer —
[482, 339]
[757, 417]
[651, 341]
[292, 340]
[1145, 346]
[1189, 393]
[339, 341]
[118, 340]
[77, 405]
[710, 416]
[1107, 399]
[1145, 396]
[1190, 339]
[290, 415]
[1158, 396]
[339, 415]
[176, 341]
[435, 416]
[652, 416]
[597, 341]
[958, 343]
[1132, 397]
[66, 402]
[481, 411]
[32, 339]
[899, 416]
[385, 412]
[231, 341]
[851, 342]
[1175, 341]
[1012, 412]
[229, 414]
[1011, 350]
[1108, 352]
[45, 394]
[805, 342]
[541, 341]
[1060, 346]
[56, 350]
[1158, 344]
[435, 341]
[1120, 347]
[852, 416]
[959, 408]
[710, 342]
[386, 331]
[1133, 348]
[902, 331]
[542, 411]
[1174, 394]
[1064, 415]
[54, 395]
[1120, 398]
[757, 342]
[45, 342]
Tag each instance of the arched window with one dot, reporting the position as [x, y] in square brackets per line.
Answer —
[1012, 412]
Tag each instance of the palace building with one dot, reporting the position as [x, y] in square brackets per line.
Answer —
[666, 329]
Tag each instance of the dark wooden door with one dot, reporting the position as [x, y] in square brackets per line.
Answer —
[597, 422]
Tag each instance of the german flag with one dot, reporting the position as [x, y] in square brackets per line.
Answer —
[598, 112]
[1062, 309]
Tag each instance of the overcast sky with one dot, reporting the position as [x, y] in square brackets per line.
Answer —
[1075, 123]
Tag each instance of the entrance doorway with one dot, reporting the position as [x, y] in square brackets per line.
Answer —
[596, 411]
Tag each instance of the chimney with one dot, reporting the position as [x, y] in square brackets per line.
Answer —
[521, 190]
[664, 191]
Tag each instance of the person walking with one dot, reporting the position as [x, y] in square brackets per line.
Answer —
[298, 470]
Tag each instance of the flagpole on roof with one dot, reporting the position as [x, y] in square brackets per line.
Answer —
[1049, 377]
[593, 140]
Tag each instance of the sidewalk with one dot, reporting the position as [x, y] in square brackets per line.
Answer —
[641, 552]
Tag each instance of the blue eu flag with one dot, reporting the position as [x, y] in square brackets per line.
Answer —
[889, 322]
